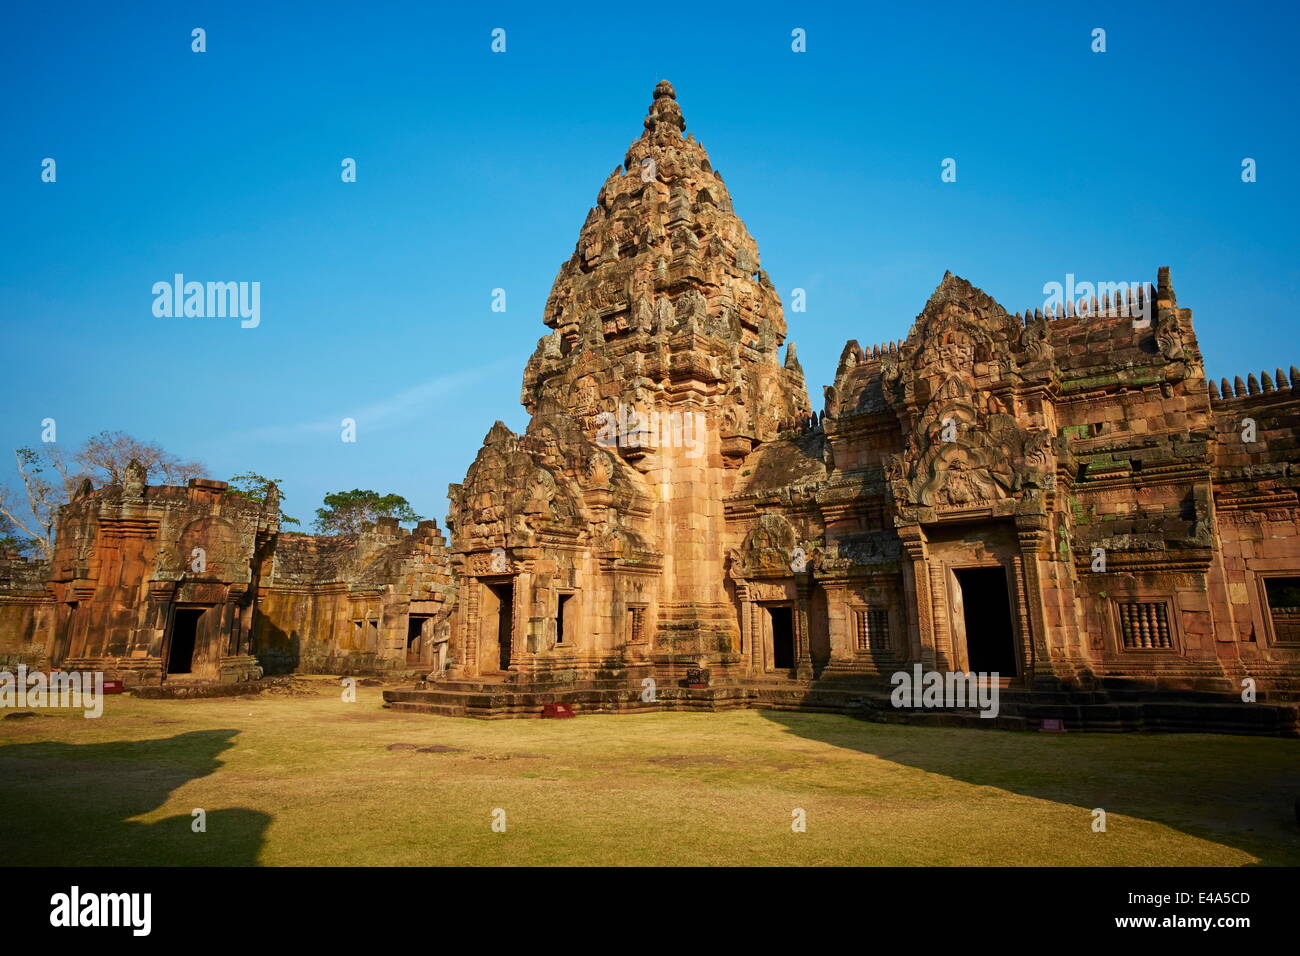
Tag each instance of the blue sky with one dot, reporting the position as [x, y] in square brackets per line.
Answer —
[475, 171]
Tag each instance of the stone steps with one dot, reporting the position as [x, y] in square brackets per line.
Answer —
[1019, 709]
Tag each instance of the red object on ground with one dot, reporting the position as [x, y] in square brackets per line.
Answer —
[557, 710]
[113, 687]
[1052, 725]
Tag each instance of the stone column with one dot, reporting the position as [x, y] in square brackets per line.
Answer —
[248, 620]
[469, 629]
[157, 615]
[1031, 530]
[746, 625]
[916, 585]
[945, 655]
[520, 614]
[802, 644]
[1027, 649]
[230, 620]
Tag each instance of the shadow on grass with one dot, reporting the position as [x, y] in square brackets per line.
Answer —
[72, 804]
[1239, 792]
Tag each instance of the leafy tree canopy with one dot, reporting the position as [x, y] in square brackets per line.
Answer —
[346, 511]
[256, 487]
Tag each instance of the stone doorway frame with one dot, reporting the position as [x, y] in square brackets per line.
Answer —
[491, 584]
[471, 653]
[956, 617]
[767, 638]
[169, 637]
[754, 596]
[423, 653]
[928, 598]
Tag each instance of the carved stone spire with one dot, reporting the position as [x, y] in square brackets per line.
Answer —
[665, 289]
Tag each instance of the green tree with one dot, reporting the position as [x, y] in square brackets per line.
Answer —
[256, 488]
[12, 538]
[346, 511]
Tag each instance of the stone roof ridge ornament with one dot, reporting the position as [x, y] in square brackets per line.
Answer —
[133, 482]
[955, 305]
[664, 111]
[498, 433]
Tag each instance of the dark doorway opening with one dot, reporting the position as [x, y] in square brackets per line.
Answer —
[1284, 608]
[559, 617]
[414, 633]
[505, 622]
[185, 631]
[782, 638]
[990, 640]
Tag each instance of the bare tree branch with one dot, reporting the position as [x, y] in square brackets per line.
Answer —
[41, 503]
[102, 458]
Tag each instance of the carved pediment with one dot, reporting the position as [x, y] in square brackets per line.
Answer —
[960, 330]
[964, 444]
[769, 547]
[983, 465]
[963, 479]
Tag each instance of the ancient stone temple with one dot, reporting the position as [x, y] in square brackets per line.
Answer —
[155, 585]
[1061, 502]
[592, 541]
[1058, 502]
[375, 602]
[153, 581]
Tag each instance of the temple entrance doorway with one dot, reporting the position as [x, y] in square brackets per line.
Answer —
[185, 632]
[505, 595]
[415, 637]
[986, 613]
[782, 621]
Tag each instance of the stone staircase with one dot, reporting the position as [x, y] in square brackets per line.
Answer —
[498, 699]
[1111, 708]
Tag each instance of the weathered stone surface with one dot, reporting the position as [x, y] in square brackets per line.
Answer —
[368, 603]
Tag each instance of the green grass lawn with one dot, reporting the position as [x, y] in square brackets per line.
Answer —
[305, 779]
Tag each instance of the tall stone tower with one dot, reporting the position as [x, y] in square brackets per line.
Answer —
[599, 533]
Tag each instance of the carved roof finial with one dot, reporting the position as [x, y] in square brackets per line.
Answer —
[664, 111]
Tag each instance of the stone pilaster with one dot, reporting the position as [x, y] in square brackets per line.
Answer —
[802, 644]
[916, 586]
[945, 655]
[1031, 530]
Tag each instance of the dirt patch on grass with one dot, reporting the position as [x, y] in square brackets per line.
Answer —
[693, 760]
[295, 687]
[363, 716]
[507, 757]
